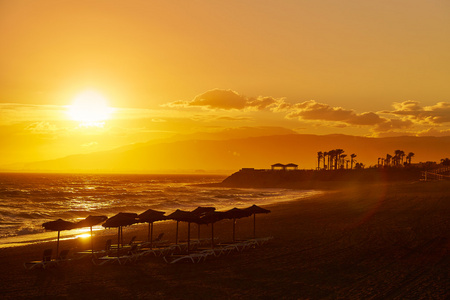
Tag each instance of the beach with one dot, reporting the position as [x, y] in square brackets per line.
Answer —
[362, 241]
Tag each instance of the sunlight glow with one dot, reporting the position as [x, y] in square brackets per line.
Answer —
[83, 235]
[90, 109]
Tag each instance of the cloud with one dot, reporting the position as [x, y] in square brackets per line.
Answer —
[436, 114]
[434, 132]
[406, 115]
[226, 100]
[393, 124]
[15, 112]
[312, 110]
[227, 118]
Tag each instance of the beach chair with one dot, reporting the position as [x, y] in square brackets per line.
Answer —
[98, 253]
[158, 250]
[262, 241]
[63, 258]
[195, 257]
[131, 255]
[46, 261]
[130, 243]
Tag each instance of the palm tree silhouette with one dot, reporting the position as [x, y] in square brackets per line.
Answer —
[319, 157]
[388, 159]
[409, 156]
[352, 160]
[342, 161]
[445, 161]
[331, 157]
[338, 157]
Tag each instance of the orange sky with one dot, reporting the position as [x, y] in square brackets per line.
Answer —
[372, 68]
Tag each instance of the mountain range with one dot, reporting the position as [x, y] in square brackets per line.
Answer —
[227, 152]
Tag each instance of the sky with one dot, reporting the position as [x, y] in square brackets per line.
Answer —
[163, 68]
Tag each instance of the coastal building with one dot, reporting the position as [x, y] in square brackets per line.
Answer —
[283, 167]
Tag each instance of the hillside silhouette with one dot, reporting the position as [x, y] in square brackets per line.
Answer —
[230, 155]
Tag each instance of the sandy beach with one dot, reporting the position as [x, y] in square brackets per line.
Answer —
[381, 241]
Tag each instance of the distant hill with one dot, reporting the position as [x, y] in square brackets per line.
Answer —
[231, 155]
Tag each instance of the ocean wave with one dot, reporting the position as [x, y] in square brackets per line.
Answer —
[28, 200]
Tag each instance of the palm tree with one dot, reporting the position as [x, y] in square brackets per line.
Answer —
[342, 162]
[445, 161]
[388, 159]
[325, 164]
[402, 155]
[399, 155]
[319, 158]
[338, 157]
[352, 160]
[331, 156]
[409, 156]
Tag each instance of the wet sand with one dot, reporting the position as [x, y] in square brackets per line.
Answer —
[387, 241]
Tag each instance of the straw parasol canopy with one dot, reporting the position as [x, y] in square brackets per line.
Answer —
[236, 213]
[201, 211]
[183, 216]
[255, 209]
[150, 216]
[91, 221]
[58, 225]
[120, 220]
[211, 218]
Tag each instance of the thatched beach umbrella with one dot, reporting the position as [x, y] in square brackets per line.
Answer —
[120, 220]
[150, 216]
[91, 221]
[211, 218]
[58, 225]
[183, 216]
[201, 211]
[255, 209]
[234, 214]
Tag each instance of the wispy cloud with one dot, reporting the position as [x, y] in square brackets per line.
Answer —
[435, 114]
[227, 100]
[405, 116]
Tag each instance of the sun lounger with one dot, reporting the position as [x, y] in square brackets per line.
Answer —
[158, 251]
[95, 254]
[195, 257]
[46, 261]
[63, 258]
[262, 241]
[130, 243]
[130, 256]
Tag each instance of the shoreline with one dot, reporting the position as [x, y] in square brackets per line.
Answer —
[361, 241]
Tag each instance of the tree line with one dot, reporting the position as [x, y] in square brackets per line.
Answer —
[399, 159]
[336, 159]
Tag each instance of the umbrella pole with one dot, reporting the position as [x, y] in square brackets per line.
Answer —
[148, 234]
[212, 235]
[118, 240]
[57, 246]
[92, 242]
[234, 229]
[151, 236]
[254, 226]
[176, 235]
[189, 237]
[121, 236]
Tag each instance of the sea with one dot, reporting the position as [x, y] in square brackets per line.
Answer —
[29, 200]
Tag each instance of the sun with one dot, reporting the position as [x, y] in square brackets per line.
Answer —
[89, 108]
